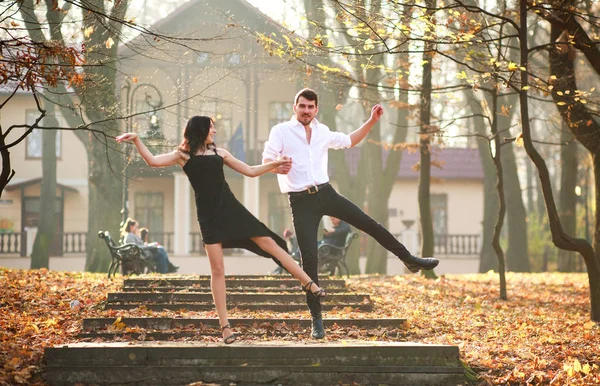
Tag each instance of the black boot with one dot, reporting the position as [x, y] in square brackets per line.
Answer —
[415, 264]
[318, 332]
[172, 268]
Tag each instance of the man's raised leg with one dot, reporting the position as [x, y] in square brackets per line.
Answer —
[344, 209]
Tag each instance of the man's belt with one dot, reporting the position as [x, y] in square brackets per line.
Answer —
[310, 190]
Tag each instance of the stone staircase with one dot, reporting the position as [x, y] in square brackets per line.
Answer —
[173, 351]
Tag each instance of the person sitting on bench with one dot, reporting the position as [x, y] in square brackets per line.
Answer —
[130, 235]
[336, 236]
[145, 235]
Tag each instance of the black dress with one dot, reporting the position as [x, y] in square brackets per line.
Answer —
[223, 219]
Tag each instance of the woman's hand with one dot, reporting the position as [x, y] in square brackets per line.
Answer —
[127, 137]
[156, 161]
[285, 160]
[284, 165]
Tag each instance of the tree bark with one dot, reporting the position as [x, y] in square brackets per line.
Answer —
[488, 260]
[424, 190]
[384, 176]
[351, 187]
[587, 133]
[105, 183]
[567, 261]
[7, 171]
[99, 102]
[501, 197]
[529, 187]
[517, 254]
[40, 254]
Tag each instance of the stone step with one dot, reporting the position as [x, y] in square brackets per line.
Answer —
[182, 363]
[133, 297]
[331, 290]
[254, 276]
[231, 283]
[287, 307]
[177, 328]
[99, 324]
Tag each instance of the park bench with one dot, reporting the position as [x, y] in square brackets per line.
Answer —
[129, 257]
[332, 258]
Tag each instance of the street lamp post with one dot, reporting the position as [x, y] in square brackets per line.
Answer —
[152, 133]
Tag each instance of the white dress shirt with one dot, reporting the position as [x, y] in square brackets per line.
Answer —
[309, 161]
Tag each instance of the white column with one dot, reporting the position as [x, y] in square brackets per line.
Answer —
[182, 213]
[31, 234]
[411, 241]
[252, 199]
[252, 195]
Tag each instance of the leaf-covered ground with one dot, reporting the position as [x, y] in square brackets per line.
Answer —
[541, 335]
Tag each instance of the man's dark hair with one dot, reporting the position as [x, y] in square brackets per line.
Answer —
[307, 93]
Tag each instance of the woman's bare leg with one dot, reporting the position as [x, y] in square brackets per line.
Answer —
[269, 245]
[217, 283]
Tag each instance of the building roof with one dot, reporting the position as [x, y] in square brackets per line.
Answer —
[238, 10]
[222, 12]
[35, 181]
[456, 163]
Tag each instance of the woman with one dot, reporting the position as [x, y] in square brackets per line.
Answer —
[224, 221]
[130, 234]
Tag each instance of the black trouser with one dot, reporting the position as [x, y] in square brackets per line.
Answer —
[307, 211]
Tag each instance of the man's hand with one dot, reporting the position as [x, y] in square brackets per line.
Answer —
[376, 113]
[285, 165]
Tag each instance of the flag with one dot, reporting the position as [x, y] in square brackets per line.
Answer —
[236, 144]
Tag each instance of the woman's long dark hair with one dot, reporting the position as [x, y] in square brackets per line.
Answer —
[195, 134]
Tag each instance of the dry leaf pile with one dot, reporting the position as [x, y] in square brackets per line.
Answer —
[542, 335]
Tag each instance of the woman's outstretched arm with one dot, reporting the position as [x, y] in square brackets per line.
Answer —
[251, 171]
[156, 161]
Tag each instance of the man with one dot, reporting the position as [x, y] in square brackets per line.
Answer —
[337, 236]
[306, 142]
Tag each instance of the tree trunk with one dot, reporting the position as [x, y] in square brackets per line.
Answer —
[529, 187]
[7, 171]
[347, 185]
[352, 188]
[40, 254]
[424, 193]
[380, 188]
[567, 261]
[517, 255]
[501, 197]
[99, 103]
[487, 256]
[105, 201]
[587, 132]
[594, 269]
[377, 204]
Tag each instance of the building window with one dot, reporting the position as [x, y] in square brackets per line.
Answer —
[279, 112]
[149, 212]
[34, 139]
[439, 212]
[392, 212]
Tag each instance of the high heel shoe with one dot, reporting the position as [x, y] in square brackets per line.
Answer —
[231, 338]
[317, 294]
